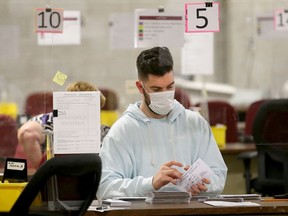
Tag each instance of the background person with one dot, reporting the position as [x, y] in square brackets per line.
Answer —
[30, 134]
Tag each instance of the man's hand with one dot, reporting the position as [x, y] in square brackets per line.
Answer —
[167, 174]
[199, 187]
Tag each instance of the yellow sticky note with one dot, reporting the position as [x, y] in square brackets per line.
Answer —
[60, 78]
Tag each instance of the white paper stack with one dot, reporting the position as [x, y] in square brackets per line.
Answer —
[244, 196]
[168, 197]
[114, 202]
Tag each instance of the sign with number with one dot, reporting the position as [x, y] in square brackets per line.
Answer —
[49, 20]
[281, 20]
[202, 17]
[71, 34]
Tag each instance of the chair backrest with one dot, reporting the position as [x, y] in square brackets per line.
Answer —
[8, 138]
[270, 132]
[110, 112]
[112, 101]
[250, 116]
[222, 112]
[87, 166]
[38, 102]
[183, 97]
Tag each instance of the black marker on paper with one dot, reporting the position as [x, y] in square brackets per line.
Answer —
[103, 207]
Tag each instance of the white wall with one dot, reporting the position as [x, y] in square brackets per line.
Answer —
[241, 57]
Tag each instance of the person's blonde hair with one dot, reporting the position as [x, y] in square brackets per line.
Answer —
[85, 86]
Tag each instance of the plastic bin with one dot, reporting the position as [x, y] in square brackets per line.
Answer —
[219, 132]
[9, 193]
[9, 108]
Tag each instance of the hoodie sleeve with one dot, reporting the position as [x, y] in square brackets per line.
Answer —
[116, 168]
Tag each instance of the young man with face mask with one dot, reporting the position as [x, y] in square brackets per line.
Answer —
[157, 139]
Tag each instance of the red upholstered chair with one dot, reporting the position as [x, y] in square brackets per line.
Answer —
[249, 119]
[222, 112]
[112, 101]
[38, 102]
[183, 97]
[8, 138]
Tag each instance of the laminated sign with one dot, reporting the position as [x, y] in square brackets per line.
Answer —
[202, 17]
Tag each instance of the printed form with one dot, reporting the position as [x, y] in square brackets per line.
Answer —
[76, 119]
[198, 170]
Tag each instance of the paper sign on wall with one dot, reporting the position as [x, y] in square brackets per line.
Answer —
[159, 28]
[71, 31]
[121, 31]
[198, 54]
[281, 20]
[49, 20]
[202, 17]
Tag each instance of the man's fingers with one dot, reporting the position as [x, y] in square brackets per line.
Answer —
[195, 189]
[198, 188]
[173, 163]
[175, 174]
[186, 167]
[202, 187]
[206, 181]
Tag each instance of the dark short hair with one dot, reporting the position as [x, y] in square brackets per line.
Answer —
[156, 61]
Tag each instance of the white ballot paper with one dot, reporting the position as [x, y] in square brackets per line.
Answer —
[194, 174]
[76, 119]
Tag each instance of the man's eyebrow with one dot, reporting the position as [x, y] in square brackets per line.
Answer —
[159, 87]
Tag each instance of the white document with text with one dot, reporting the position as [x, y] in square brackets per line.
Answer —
[198, 170]
[76, 119]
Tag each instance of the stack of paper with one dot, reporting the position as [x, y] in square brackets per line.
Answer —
[114, 202]
[244, 196]
[168, 197]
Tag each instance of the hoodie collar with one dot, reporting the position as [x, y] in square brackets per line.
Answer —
[134, 110]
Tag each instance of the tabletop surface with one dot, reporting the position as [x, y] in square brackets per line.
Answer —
[236, 148]
[139, 208]
[197, 208]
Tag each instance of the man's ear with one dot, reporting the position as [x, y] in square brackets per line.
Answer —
[139, 86]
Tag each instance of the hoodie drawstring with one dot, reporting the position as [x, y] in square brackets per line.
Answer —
[171, 140]
[153, 163]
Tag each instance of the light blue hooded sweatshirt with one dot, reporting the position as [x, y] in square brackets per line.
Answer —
[136, 146]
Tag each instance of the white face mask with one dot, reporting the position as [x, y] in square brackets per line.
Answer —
[161, 102]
